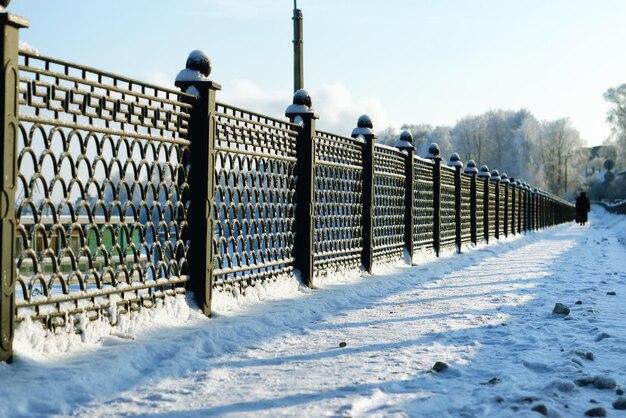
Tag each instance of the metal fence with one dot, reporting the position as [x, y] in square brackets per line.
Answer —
[100, 199]
[117, 193]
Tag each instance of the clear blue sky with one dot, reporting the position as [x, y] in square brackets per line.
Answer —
[401, 61]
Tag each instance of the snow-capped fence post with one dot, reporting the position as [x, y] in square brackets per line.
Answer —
[455, 161]
[405, 144]
[504, 183]
[495, 178]
[472, 171]
[301, 113]
[365, 132]
[9, 26]
[483, 175]
[201, 133]
[433, 154]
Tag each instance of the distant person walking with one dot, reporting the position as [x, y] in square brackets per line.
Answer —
[582, 207]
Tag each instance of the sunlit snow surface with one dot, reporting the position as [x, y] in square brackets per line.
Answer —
[276, 351]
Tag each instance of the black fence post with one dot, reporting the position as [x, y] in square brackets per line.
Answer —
[9, 114]
[483, 176]
[300, 112]
[504, 182]
[534, 207]
[472, 171]
[527, 207]
[495, 178]
[513, 200]
[455, 161]
[202, 132]
[519, 206]
[405, 144]
[365, 132]
[433, 154]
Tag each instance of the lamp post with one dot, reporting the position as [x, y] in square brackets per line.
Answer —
[298, 67]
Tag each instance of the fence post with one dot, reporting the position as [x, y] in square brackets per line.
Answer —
[300, 112]
[504, 182]
[365, 132]
[527, 207]
[455, 161]
[10, 26]
[433, 154]
[202, 132]
[495, 178]
[513, 193]
[519, 209]
[534, 206]
[405, 144]
[472, 171]
[483, 175]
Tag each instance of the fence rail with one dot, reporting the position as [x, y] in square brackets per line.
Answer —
[116, 193]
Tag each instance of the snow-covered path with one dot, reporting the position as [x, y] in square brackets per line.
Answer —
[366, 346]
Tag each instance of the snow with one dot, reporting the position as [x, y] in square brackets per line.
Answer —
[360, 345]
[187, 75]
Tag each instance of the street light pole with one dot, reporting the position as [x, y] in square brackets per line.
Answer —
[298, 70]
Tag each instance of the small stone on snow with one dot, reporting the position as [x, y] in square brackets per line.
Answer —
[541, 409]
[620, 403]
[560, 309]
[440, 366]
[604, 382]
[596, 412]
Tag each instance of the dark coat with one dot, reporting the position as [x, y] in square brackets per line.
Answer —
[582, 207]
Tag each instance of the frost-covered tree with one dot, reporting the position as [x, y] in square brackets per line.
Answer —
[616, 117]
[469, 138]
[559, 140]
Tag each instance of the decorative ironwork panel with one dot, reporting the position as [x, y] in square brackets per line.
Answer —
[480, 210]
[102, 194]
[448, 209]
[502, 210]
[466, 227]
[254, 197]
[423, 206]
[338, 203]
[389, 178]
[492, 208]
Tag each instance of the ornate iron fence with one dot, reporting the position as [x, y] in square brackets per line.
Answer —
[338, 202]
[423, 213]
[254, 199]
[101, 195]
[389, 186]
[448, 208]
[117, 193]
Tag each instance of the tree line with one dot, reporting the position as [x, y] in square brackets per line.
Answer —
[546, 154]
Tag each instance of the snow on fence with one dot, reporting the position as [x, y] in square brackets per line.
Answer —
[116, 193]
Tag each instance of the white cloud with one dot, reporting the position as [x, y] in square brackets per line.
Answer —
[244, 94]
[25, 46]
[337, 108]
[159, 78]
